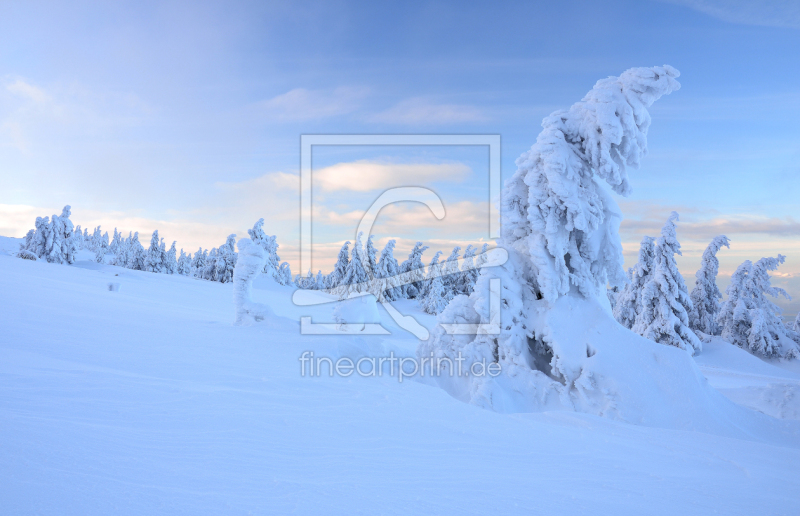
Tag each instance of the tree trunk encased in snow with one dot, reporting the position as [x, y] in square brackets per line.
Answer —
[249, 264]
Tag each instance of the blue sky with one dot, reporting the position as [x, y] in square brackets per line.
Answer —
[186, 117]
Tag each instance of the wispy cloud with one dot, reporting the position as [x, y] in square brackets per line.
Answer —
[365, 176]
[424, 111]
[771, 13]
[301, 104]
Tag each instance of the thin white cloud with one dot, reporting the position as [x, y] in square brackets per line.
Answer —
[301, 104]
[423, 111]
[365, 176]
[29, 91]
[770, 13]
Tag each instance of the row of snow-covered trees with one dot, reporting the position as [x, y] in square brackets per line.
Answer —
[57, 241]
[656, 304]
[362, 268]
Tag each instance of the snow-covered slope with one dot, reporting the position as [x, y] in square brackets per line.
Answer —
[147, 400]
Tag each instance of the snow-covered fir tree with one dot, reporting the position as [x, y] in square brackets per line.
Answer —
[136, 254]
[387, 270]
[319, 281]
[436, 299]
[629, 301]
[371, 257]
[752, 321]
[705, 295]
[115, 242]
[270, 245]
[339, 271]
[560, 231]
[184, 265]
[171, 263]
[434, 270]
[796, 325]
[153, 259]
[451, 275]
[78, 236]
[665, 302]
[209, 270]
[198, 262]
[416, 268]
[102, 249]
[469, 272]
[40, 238]
[613, 294]
[355, 277]
[60, 246]
[226, 260]
[284, 274]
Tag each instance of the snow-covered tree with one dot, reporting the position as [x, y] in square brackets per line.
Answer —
[154, 261]
[171, 262]
[629, 301]
[209, 270]
[270, 245]
[355, 277]
[371, 255]
[705, 294]
[115, 242]
[249, 265]
[796, 325]
[434, 269]
[226, 260]
[136, 254]
[613, 295]
[387, 270]
[60, 246]
[750, 320]
[102, 249]
[452, 274]
[336, 276]
[664, 314]
[555, 209]
[560, 230]
[184, 266]
[284, 274]
[414, 266]
[319, 281]
[78, 236]
[437, 297]
[469, 272]
[40, 238]
[198, 262]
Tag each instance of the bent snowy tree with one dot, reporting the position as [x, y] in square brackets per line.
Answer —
[559, 345]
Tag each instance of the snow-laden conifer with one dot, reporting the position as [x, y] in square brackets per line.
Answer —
[153, 260]
[339, 271]
[434, 269]
[355, 277]
[270, 245]
[184, 265]
[371, 257]
[387, 270]
[665, 302]
[198, 262]
[226, 260]
[60, 246]
[752, 321]
[469, 272]
[705, 294]
[560, 230]
[796, 325]
[171, 263]
[136, 254]
[284, 274]
[629, 301]
[451, 275]
[413, 265]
